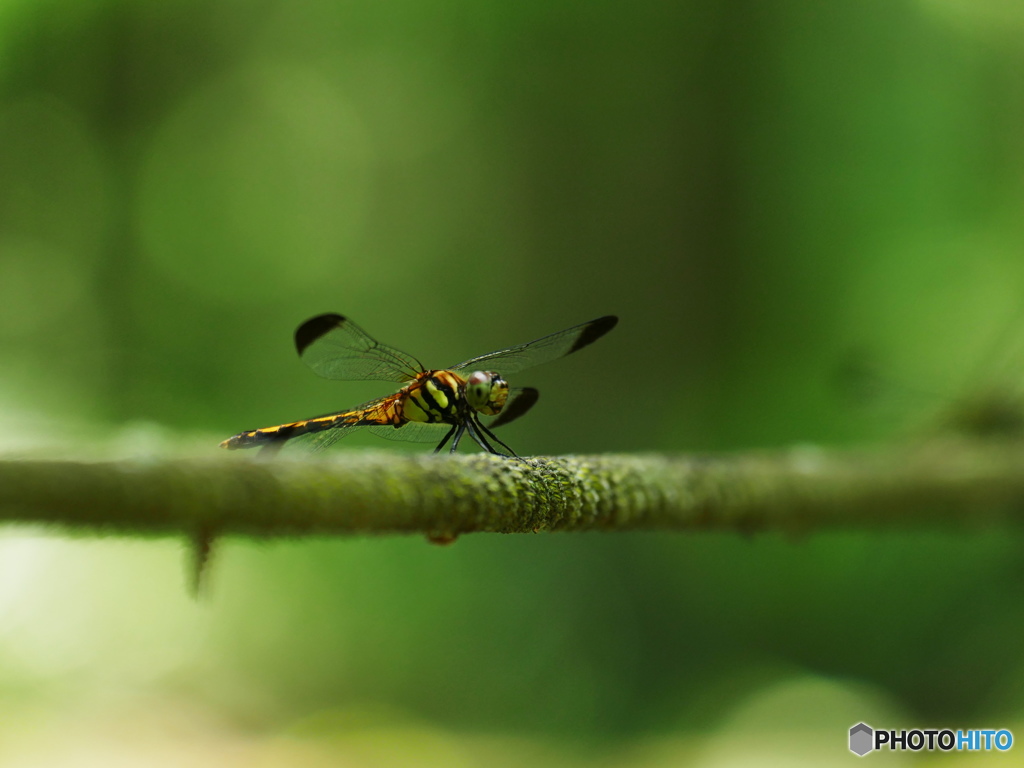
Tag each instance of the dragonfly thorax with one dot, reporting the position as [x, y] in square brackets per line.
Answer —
[486, 392]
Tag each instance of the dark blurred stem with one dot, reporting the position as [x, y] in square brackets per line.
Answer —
[939, 483]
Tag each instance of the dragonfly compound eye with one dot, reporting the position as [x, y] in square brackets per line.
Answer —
[486, 392]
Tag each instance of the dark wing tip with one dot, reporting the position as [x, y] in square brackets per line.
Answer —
[314, 328]
[593, 331]
[524, 400]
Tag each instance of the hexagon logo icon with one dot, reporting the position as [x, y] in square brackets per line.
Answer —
[861, 739]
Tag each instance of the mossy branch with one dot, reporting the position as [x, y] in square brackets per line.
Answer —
[943, 482]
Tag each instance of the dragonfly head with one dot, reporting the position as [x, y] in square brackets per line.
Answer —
[487, 392]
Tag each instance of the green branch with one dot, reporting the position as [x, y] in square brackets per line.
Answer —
[942, 482]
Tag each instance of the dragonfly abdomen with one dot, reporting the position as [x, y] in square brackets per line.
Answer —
[281, 432]
[385, 413]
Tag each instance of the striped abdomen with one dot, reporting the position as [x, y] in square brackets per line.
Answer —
[433, 397]
[384, 411]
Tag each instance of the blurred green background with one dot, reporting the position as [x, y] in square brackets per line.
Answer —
[763, 192]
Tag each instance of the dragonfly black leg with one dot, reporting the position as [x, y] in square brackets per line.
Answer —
[447, 437]
[472, 425]
[459, 430]
[485, 431]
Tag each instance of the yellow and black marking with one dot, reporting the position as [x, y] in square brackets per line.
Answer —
[435, 397]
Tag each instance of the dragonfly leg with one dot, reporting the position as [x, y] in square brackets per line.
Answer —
[472, 425]
[459, 430]
[485, 431]
[447, 437]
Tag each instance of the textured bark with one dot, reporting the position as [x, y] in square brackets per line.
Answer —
[942, 482]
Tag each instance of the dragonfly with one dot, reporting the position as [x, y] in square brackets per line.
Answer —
[445, 403]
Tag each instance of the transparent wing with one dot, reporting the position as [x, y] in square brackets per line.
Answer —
[542, 350]
[319, 441]
[413, 432]
[336, 348]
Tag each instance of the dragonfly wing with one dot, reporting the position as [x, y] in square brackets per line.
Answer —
[520, 400]
[413, 432]
[319, 441]
[336, 348]
[542, 350]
